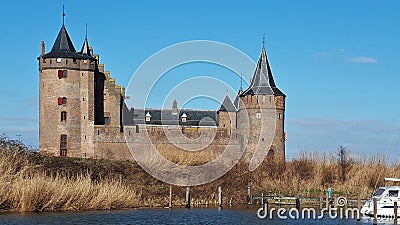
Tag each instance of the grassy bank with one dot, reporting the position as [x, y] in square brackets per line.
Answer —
[33, 182]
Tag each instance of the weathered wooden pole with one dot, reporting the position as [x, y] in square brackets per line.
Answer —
[395, 213]
[170, 197]
[375, 211]
[345, 208]
[358, 207]
[187, 197]
[321, 199]
[249, 196]
[334, 201]
[327, 201]
[220, 197]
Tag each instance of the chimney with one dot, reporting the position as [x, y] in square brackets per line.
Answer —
[42, 48]
[174, 107]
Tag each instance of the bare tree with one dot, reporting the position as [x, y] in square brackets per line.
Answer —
[344, 161]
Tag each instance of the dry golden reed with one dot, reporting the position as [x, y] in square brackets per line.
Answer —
[24, 187]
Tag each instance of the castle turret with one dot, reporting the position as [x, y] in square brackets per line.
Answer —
[264, 104]
[227, 114]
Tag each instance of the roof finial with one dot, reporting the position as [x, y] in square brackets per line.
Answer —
[63, 15]
[86, 32]
[241, 82]
[263, 40]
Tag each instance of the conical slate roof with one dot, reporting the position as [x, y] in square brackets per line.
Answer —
[262, 82]
[227, 105]
[63, 42]
[85, 51]
[64, 48]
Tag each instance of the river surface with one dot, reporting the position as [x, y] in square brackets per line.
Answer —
[167, 216]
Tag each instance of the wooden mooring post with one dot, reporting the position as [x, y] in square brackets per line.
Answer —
[249, 195]
[375, 211]
[327, 201]
[220, 197]
[170, 197]
[395, 213]
[321, 199]
[358, 208]
[187, 198]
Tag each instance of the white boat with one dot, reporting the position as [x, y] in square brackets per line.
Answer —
[385, 198]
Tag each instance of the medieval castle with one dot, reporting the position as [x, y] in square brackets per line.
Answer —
[83, 114]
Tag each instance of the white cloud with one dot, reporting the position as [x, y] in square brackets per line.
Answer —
[363, 59]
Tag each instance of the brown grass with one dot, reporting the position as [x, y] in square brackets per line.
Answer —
[26, 187]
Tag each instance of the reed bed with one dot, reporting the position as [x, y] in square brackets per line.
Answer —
[34, 182]
[26, 187]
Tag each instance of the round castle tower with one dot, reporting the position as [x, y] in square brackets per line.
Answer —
[67, 98]
[261, 113]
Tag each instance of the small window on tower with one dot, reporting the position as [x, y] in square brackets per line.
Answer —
[63, 145]
[60, 74]
[63, 116]
[64, 74]
[258, 115]
[106, 120]
[59, 101]
[64, 100]
[74, 60]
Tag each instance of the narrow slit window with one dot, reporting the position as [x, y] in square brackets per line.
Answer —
[63, 116]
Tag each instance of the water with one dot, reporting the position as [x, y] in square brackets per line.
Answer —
[166, 216]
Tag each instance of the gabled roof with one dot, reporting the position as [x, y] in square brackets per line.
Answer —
[227, 105]
[136, 116]
[262, 82]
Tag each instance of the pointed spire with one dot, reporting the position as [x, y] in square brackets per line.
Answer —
[227, 105]
[85, 51]
[262, 81]
[241, 84]
[263, 41]
[63, 16]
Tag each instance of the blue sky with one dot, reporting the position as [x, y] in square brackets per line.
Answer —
[337, 61]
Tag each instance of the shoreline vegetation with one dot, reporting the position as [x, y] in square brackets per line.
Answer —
[31, 182]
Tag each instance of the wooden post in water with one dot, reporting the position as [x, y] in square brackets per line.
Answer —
[334, 201]
[321, 199]
[395, 213]
[375, 211]
[220, 197]
[358, 207]
[327, 201]
[187, 198]
[170, 197]
[249, 196]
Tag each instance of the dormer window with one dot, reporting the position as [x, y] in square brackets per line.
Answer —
[184, 118]
[148, 117]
